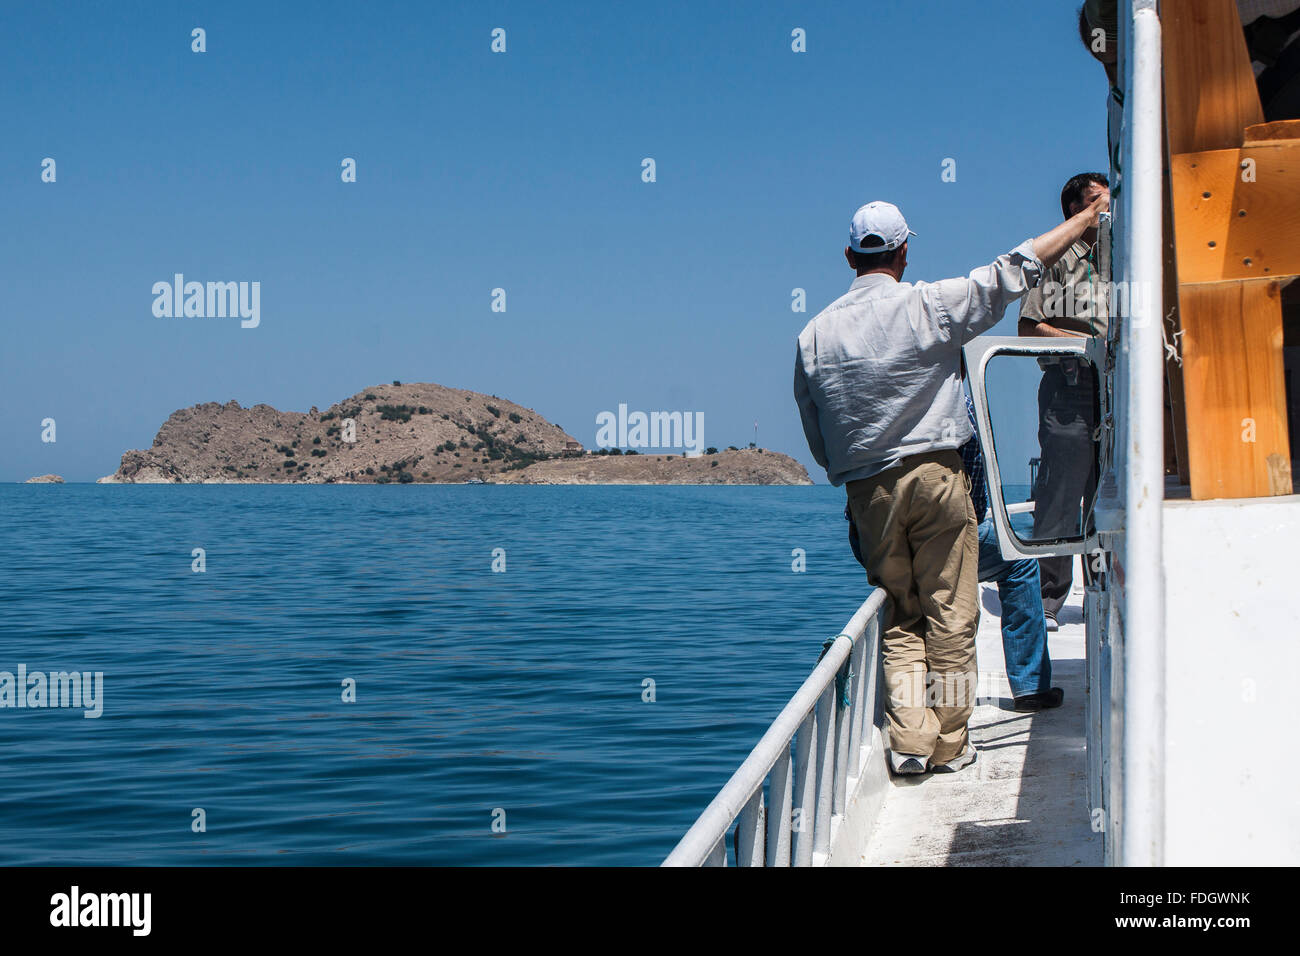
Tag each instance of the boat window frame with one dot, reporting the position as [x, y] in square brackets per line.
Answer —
[978, 353]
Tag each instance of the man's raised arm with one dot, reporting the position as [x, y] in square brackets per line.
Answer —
[1050, 246]
[974, 304]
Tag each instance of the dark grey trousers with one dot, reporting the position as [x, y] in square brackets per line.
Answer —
[1067, 472]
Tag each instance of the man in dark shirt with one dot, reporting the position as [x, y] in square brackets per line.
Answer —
[1072, 301]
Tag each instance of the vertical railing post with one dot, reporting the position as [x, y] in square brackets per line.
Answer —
[857, 657]
[718, 855]
[778, 812]
[805, 777]
[842, 723]
[749, 832]
[825, 769]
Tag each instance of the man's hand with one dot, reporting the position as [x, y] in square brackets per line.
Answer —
[1099, 205]
[1075, 430]
[1030, 327]
[1050, 246]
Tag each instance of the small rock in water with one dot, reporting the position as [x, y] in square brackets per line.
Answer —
[45, 479]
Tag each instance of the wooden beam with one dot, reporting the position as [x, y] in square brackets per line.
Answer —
[1235, 393]
[1236, 212]
[1210, 92]
[1234, 242]
[1267, 134]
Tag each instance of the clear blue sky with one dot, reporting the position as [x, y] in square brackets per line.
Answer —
[478, 170]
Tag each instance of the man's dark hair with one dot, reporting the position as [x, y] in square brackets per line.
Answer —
[1074, 189]
[865, 262]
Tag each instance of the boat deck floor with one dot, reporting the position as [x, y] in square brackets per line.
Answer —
[1024, 800]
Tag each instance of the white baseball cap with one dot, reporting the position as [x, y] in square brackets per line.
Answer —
[882, 220]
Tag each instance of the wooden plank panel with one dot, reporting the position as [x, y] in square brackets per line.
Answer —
[1210, 92]
[1266, 134]
[1233, 242]
[1227, 228]
[1234, 390]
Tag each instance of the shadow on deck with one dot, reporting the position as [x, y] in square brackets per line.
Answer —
[1024, 801]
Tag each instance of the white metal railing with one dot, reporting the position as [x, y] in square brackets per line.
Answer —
[806, 792]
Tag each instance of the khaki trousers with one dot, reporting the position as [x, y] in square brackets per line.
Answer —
[918, 533]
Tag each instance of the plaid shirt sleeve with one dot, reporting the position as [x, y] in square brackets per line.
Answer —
[972, 459]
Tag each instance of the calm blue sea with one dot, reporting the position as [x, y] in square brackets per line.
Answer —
[480, 696]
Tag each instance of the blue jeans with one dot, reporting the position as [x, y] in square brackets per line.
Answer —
[1024, 633]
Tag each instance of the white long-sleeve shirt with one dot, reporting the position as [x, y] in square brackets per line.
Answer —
[877, 374]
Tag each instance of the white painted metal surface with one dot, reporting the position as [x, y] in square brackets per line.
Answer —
[979, 352]
[1139, 249]
[1233, 658]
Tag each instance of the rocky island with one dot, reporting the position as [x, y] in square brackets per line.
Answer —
[415, 433]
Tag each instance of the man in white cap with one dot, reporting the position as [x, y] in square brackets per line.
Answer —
[878, 381]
